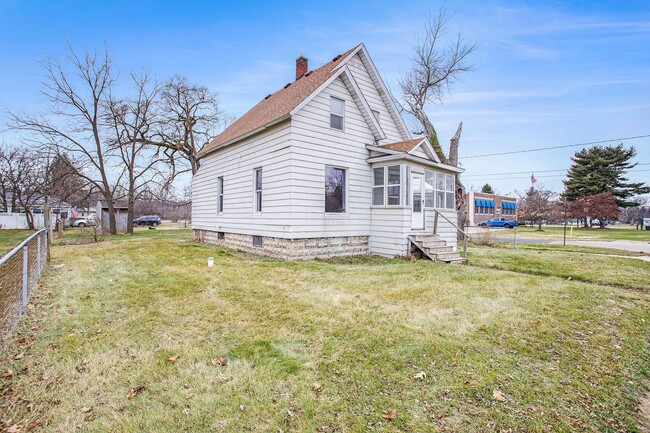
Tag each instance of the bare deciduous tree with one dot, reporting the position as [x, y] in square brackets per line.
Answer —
[190, 119]
[25, 176]
[132, 120]
[435, 68]
[75, 91]
[536, 205]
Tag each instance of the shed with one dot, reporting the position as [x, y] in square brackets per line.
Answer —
[121, 215]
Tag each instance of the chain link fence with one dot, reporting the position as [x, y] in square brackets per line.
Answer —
[20, 270]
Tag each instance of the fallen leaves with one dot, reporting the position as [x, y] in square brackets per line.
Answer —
[7, 373]
[389, 415]
[420, 376]
[188, 396]
[136, 391]
[316, 387]
[174, 358]
[85, 409]
[14, 429]
[219, 362]
[498, 396]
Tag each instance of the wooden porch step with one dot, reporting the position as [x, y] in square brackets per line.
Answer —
[432, 247]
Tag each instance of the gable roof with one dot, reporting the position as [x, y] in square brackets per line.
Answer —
[403, 146]
[278, 105]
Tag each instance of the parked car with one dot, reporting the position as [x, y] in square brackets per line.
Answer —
[84, 222]
[148, 220]
[498, 222]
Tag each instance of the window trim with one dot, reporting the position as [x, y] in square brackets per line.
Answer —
[377, 114]
[220, 195]
[345, 190]
[258, 205]
[342, 116]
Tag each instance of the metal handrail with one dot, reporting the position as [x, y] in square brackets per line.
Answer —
[435, 229]
[20, 245]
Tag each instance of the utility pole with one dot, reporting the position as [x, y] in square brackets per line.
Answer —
[565, 222]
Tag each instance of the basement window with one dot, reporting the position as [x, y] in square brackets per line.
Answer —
[221, 236]
[258, 241]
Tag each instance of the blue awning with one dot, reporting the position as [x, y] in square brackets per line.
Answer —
[507, 205]
[490, 203]
[478, 202]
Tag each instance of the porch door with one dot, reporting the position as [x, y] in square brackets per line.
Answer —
[417, 200]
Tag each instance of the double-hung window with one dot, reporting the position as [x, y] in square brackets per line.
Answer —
[335, 189]
[220, 194]
[388, 187]
[378, 187]
[258, 190]
[337, 113]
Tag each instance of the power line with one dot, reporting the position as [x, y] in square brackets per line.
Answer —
[538, 149]
[526, 172]
[528, 177]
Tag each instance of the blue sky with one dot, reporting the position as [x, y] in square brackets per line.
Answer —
[547, 73]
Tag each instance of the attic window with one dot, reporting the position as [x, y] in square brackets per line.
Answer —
[376, 114]
[337, 111]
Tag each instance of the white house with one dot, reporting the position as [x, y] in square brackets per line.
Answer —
[325, 167]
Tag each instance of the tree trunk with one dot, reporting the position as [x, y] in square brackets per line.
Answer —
[539, 226]
[112, 223]
[29, 217]
[130, 205]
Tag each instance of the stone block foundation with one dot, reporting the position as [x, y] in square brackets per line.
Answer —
[289, 249]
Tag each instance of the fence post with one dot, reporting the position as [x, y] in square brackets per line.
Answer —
[38, 255]
[25, 267]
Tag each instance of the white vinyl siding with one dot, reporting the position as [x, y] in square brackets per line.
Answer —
[314, 146]
[236, 163]
[375, 100]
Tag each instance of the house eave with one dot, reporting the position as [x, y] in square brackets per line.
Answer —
[406, 157]
[281, 119]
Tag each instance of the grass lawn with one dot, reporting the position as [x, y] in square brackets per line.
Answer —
[10, 238]
[137, 334]
[616, 232]
[584, 265]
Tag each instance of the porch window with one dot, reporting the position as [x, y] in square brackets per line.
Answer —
[337, 112]
[445, 195]
[394, 185]
[335, 190]
[388, 187]
[378, 188]
[220, 194]
[429, 188]
[258, 190]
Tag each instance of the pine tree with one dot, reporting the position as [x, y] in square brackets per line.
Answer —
[487, 189]
[602, 169]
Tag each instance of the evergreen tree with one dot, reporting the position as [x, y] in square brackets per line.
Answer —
[487, 189]
[602, 169]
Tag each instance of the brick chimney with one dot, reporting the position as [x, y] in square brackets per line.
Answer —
[302, 66]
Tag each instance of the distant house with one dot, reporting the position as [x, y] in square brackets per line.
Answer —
[481, 206]
[324, 167]
[14, 218]
[121, 215]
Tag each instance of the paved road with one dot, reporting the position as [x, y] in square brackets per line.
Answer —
[635, 246]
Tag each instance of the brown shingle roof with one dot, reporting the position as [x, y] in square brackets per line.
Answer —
[403, 146]
[276, 105]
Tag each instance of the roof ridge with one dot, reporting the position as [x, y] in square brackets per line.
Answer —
[272, 108]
